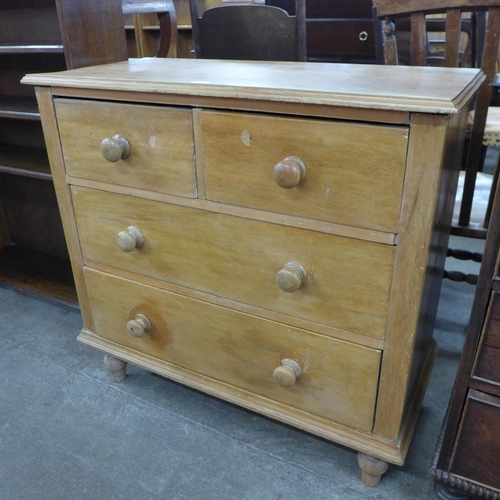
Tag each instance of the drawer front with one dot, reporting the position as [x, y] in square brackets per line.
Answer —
[477, 447]
[338, 379]
[353, 172]
[346, 40]
[347, 284]
[161, 144]
[487, 365]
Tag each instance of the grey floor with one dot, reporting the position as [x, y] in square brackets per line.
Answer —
[68, 432]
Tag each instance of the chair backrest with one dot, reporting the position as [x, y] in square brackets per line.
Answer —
[249, 32]
[167, 19]
[485, 42]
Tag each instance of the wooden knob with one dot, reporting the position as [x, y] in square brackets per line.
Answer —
[289, 172]
[291, 277]
[130, 239]
[115, 148]
[138, 326]
[287, 373]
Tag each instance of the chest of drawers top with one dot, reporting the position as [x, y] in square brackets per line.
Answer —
[390, 88]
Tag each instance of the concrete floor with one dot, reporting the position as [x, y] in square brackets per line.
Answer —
[68, 432]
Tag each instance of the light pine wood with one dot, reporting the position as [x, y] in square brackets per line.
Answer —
[355, 338]
[339, 186]
[342, 434]
[115, 148]
[139, 326]
[291, 277]
[359, 86]
[287, 373]
[245, 213]
[240, 350]
[287, 173]
[397, 117]
[130, 239]
[409, 331]
[116, 367]
[346, 352]
[157, 137]
[51, 134]
[372, 469]
[239, 259]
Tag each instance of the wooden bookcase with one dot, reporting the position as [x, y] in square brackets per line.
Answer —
[40, 36]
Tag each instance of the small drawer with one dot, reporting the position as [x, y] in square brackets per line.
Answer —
[148, 147]
[241, 259]
[337, 380]
[346, 40]
[486, 365]
[477, 445]
[352, 173]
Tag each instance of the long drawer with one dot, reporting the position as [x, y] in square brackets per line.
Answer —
[347, 281]
[161, 156]
[338, 380]
[352, 173]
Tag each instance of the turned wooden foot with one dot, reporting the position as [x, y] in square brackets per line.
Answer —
[116, 367]
[371, 469]
[447, 492]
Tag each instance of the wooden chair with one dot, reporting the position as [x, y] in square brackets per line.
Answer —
[485, 42]
[249, 32]
[165, 11]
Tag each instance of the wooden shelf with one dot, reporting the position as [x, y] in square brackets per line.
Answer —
[24, 108]
[34, 48]
[27, 162]
[38, 274]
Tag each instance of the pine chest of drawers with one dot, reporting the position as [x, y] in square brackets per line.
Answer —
[271, 233]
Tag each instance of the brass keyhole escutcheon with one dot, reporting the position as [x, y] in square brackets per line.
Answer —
[363, 36]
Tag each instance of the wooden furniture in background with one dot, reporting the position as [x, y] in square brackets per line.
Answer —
[36, 36]
[241, 263]
[249, 32]
[151, 28]
[390, 10]
[185, 45]
[466, 460]
[337, 31]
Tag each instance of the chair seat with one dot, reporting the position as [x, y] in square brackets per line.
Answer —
[480, 200]
[491, 135]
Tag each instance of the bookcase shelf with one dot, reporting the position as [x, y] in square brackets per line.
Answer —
[42, 36]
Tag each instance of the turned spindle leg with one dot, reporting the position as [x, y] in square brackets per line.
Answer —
[116, 367]
[371, 469]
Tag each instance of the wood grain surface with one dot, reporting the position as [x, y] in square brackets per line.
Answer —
[161, 141]
[338, 379]
[239, 259]
[354, 172]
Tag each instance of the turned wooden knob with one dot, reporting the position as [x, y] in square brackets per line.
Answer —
[138, 326]
[115, 148]
[130, 239]
[289, 172]
[287, 373]
[291, 277]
